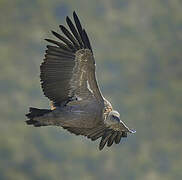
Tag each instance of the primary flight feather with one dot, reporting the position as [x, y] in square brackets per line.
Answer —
[68, 79]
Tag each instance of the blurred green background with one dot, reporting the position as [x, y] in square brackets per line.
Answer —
[137, 45]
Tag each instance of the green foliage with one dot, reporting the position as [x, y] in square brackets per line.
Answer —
[137, 46]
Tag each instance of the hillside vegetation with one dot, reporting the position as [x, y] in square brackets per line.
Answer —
[138, 49]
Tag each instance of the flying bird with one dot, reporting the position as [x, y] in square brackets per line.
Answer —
[68, 79]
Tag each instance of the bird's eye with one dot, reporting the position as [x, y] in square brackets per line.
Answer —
[115, 118]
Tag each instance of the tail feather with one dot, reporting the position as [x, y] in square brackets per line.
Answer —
[35, 112]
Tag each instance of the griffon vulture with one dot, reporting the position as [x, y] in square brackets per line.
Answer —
[68, 79]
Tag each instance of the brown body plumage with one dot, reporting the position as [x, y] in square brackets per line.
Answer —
[68, 79]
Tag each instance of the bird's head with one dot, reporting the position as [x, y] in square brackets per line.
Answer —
[114, 122]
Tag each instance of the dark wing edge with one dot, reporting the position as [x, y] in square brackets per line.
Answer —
[58, 67]
[107, 135]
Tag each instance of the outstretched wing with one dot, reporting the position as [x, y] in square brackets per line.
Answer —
[107, 135]
[109, 131]
[68, 70]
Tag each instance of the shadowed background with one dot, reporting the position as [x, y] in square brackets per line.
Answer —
[137, 46]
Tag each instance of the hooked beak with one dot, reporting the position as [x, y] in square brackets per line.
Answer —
[125, 128]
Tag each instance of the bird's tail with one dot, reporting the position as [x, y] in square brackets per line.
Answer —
[33, 114]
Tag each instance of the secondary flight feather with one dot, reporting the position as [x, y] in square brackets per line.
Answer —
[68, 79]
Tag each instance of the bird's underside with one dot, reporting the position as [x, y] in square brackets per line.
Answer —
[68, 79]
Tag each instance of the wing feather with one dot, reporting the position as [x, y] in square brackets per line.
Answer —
[78, 24]
[66, 41]
[86, 40]
[74, 31]
[68, 70]
[70, 36]
[61, 45]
